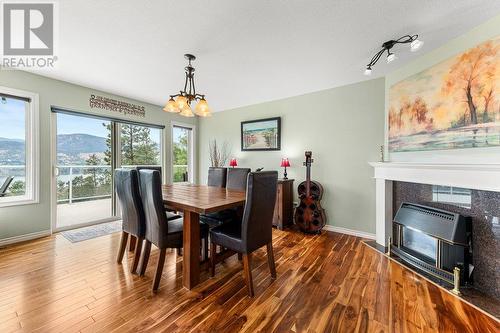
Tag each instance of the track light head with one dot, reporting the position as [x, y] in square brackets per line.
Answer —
[390, 57]
[416, 45]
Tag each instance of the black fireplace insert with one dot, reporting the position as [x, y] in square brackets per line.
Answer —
[433, 240]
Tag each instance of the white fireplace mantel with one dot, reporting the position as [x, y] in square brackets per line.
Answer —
[473, 176]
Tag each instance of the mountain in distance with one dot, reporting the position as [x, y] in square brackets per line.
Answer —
[11, 151]
[11, 140]
[80, 143]
[71, 149]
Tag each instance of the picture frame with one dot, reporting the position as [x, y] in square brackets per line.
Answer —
[261, 134]
[450, 105]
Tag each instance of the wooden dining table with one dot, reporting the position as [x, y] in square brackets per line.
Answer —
[194, 200]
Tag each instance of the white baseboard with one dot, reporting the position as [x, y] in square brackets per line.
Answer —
[23, 238]
[349, 231]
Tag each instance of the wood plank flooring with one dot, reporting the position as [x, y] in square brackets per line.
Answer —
[326, 283]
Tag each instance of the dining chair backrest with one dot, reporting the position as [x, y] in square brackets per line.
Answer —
[127, 190]
[148, 167]
[257, 222]
[237, 178]
[154, 211]
[217, 177]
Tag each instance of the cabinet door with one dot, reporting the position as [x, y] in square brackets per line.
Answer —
[277, 218]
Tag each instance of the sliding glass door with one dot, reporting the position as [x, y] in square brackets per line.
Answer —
[84, 170]
[88, 150]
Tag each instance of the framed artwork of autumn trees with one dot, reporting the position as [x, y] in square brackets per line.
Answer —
[454, 104]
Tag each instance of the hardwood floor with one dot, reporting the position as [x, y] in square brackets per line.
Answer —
[326, 283]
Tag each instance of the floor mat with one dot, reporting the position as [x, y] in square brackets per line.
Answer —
[98, 230]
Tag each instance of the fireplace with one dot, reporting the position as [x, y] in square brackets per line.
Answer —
[423, 184]
[435, 241]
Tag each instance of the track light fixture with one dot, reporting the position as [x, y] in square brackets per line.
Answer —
[415, 45]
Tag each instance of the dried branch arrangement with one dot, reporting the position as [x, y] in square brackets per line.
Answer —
[219, 154]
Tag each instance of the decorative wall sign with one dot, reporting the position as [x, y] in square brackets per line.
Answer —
[114, 105]
[262, 134]
[454, 104]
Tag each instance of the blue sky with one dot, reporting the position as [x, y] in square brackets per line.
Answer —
[67, 124]
[12, 116]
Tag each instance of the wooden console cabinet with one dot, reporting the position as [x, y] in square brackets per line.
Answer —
[283, 211]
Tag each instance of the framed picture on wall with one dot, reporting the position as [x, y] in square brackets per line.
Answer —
[261, 134]
[451, 105]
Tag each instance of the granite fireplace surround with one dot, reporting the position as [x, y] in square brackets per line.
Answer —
[486, 236]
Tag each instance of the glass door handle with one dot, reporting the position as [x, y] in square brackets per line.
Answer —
[56, 171]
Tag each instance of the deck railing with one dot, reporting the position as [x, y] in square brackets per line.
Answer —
[67, 174]
[18, 172]
[11, 170]
[96, 188]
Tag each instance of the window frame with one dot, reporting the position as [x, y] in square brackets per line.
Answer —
[192, 154]
[32, 150]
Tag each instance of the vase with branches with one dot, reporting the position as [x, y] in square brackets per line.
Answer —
[219, 154]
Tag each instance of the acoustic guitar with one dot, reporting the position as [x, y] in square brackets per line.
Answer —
[309, 215]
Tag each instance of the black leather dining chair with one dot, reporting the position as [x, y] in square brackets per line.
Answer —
[237, 178]
[217, 177]
[133, 224]
[159, 231]
[171, 215]
[255, 229]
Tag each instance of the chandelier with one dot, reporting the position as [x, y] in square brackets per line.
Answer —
[181, 102]
[415, 45]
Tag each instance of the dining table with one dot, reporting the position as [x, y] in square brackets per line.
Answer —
[194, 200]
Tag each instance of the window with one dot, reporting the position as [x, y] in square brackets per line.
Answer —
[140, 145]
[18, 147]
[182, 153]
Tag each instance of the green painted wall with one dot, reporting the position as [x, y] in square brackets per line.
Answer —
[20, 220]
[344, 128]
[488, 30]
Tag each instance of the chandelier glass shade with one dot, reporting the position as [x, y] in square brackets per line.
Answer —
[181, 102]
[202, 109]
[187, 112]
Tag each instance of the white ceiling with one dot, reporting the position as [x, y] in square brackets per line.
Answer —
[248, 51]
